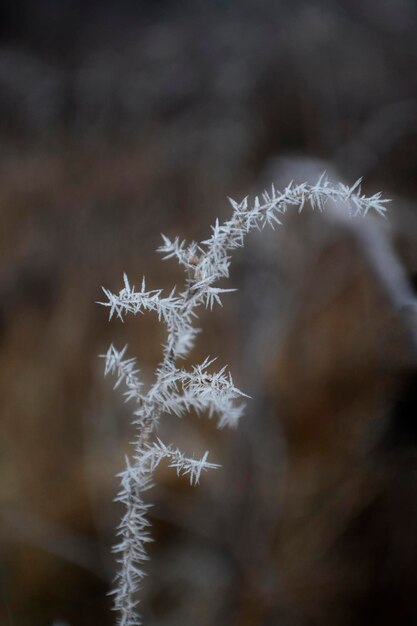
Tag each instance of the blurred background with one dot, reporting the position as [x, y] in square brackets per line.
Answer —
[122, 120]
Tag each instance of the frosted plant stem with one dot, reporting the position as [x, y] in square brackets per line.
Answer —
[176, 391]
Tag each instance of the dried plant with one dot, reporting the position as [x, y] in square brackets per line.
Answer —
[175, 390]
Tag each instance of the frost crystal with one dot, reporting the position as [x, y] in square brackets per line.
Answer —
[176, 391]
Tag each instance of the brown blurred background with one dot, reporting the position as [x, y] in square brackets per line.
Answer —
[119, 120]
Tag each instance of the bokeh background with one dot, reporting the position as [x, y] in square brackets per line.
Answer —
[122, 120]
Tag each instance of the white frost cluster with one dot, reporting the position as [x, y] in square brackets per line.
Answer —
[176, 391]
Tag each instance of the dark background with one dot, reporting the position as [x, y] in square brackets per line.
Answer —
[119, 120]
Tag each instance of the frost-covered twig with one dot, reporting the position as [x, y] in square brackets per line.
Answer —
[175, 390]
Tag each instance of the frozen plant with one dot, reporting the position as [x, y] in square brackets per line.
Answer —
[175, 390]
